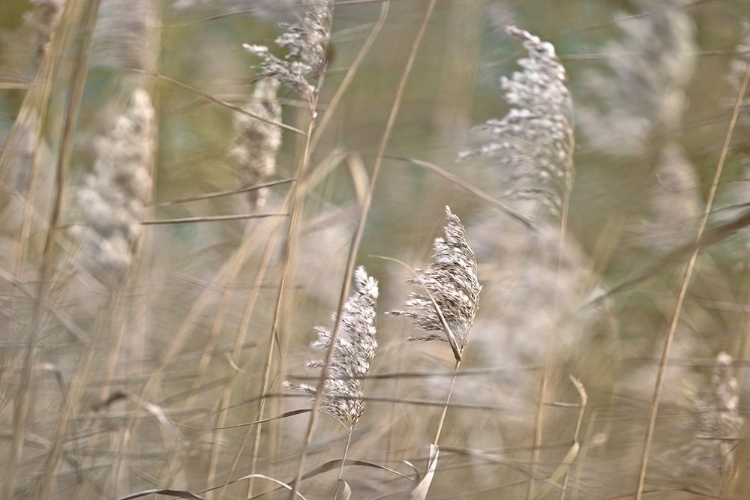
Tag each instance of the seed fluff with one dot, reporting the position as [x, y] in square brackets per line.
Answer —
[451, 289]
[354, 350]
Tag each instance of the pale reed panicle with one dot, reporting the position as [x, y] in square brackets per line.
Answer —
[258, 141]
[642, 95]
[352, 355]
[449, 296]
[43, 20]
[531, 148]
[113, 197]
[307, 42]
[714, 432]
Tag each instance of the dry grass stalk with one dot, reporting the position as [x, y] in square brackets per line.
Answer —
[114, 195]
[24, 150]
[737, 68]
[259, 141]
[265, 9]
[308, 41]
[342, 393]
[22, 50]
[684, 285]
[451, 289]
[20, 56]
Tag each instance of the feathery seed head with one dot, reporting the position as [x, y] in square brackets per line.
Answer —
[717, 426]
[719, 416]
[675, 206]
[645, 93]
[451, 289]
[43, 20]
[307, 40]
[258, 143]
[114, 195]
[353, 352]
[533, 144]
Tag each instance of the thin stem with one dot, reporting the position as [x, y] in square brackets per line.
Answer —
[286, 272]
[444, 412]
[27, 216]
[219, 194]
[538, 428]
[350, 74]
[297, 204]
[684, 286]
[21, 408]
[212, 218]
[584, 400]
[343, 462]
[214, 99]
[354, 249]
[235, 357]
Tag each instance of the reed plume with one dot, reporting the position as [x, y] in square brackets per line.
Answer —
[644, 98]
[354, 350]
[532, 146]
[43, 20]
[126, 37]
[675, 205]
[307, 42]
[259, 140]
[715, 431]
[113, 197]
[718, 425]
[22, 51]
[535, 276]
[450, 297]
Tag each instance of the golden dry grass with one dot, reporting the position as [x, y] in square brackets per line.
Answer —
[150, 314]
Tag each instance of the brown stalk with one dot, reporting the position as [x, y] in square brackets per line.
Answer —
[536, 443]
[470, 188]
[45, 73]
[367, 202]
[48, 259]
[212, 218]
[220, 102]
[235, 358]
[584, 400]
[452, 341]
[350, 74]
[219, 194]
[297, 198]
[683, 289]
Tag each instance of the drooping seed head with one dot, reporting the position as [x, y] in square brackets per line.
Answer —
[449, 296]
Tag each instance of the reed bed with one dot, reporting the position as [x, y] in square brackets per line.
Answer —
[380, 249]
